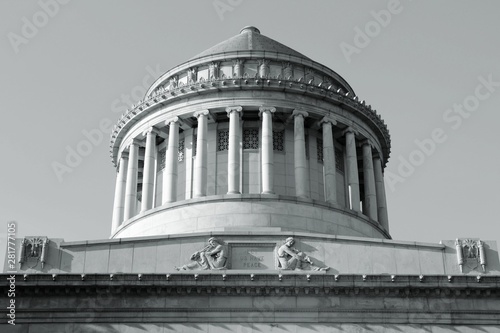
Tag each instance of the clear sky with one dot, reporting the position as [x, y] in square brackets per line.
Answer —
[424, 65]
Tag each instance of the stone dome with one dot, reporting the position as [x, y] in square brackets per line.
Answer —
[249, 39]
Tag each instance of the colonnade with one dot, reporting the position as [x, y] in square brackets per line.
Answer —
[374, 200]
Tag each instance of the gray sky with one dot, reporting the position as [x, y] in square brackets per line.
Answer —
[64, 73]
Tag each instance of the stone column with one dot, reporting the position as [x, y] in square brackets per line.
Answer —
[121, 181]
[131, 186]
[300, 162]
[380, 190]
[352, 169]
[267, 160]
[370, 199]
[329, 164]
[200, 162]
[233, 156]
[148, 178]
[171, 162]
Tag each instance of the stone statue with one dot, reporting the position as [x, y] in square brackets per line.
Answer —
[173, 82]
[290, 258]
[212, 256]
[191, 75]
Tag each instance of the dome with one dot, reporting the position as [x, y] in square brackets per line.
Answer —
[250, 135]
[249, 39]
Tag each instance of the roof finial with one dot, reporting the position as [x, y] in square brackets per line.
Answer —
[249, 28]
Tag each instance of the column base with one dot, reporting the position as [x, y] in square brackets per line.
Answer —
[233, 192]
[268, 192]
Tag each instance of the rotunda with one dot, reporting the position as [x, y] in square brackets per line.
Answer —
[250, 134]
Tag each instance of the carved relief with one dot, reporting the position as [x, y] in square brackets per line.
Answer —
[290, 258]
[33, 251]
[211, 257]
[470, 253]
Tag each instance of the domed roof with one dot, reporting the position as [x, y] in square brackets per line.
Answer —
[249, 39]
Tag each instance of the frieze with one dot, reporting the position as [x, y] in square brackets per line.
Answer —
[219, 255]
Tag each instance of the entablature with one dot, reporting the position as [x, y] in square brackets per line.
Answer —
[162, 99]
[254, 283]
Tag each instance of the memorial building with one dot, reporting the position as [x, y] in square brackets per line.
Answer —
[250, 198]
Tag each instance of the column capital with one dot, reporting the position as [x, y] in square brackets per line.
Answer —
[366, 142]
[376, 155]
[201, 113]
[349, 129]
[300, 113]
[173, 120]
[124, 154]
[134, 141]
[328, 119]
[152, 130]
[262, 109]
[235, 108]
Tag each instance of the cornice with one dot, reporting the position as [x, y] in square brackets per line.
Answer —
[254, 283]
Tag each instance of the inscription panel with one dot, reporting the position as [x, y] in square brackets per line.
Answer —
[252, 256]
